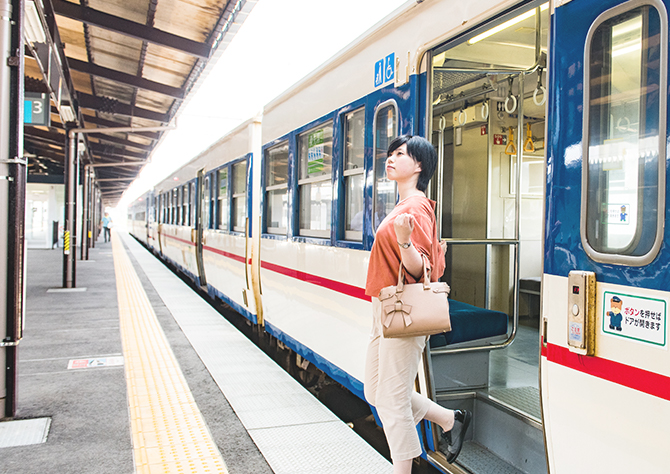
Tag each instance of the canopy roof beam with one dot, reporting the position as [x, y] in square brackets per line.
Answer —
[129, 28]
[113, 106]
[123, 78]
[110, 123]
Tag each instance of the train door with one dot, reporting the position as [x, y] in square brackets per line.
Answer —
[487, 116]
[201, 203]
[605, 355]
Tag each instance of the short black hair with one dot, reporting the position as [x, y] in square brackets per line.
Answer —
[421, 151]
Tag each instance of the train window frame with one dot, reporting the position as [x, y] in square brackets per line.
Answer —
[349, 174]
[222, 200]
[303, 140]
[207, 202]
[380, 107]
[236, 196]
[267, 189]
[176, 206]
[185, 200]
[191, 203]
[618, 255]
[166, 208]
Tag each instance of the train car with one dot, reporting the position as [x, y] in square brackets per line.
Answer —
[605, 292]
[324, 192]
[139, 216]
[204, 212]
[558, 309]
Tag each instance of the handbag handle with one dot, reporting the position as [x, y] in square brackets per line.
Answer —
[426, 276]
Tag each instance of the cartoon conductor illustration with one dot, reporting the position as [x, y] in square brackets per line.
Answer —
[623, 214]
[615, 313]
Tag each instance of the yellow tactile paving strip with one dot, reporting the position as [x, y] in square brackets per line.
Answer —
[169, 434]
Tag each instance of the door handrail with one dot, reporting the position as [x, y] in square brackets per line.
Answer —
[481, 241]
[515, 292]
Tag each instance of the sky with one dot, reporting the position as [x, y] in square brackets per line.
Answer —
[280, 42]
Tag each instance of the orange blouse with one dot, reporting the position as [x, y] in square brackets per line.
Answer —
[385, 255]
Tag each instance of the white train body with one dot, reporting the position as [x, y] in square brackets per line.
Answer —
[277, 220]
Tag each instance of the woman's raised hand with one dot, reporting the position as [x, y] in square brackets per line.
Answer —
[403, 225]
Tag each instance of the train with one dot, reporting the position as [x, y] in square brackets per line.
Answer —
[549, 121]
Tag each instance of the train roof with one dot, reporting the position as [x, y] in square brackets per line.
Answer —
[408, 32]
[233, 145]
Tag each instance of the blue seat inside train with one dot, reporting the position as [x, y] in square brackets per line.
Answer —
[469, 323]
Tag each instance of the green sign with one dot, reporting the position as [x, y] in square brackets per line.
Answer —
[315, 142]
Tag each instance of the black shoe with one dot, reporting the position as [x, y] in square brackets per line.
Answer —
[455, 437]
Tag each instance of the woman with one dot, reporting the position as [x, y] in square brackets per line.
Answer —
[406, 234]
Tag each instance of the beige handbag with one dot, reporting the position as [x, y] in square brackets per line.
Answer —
[417, 309]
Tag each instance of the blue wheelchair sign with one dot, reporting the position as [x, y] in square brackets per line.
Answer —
[385, 70]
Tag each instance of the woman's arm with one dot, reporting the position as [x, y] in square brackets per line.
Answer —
[411, 257]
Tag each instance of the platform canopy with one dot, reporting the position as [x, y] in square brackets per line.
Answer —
[117, 63]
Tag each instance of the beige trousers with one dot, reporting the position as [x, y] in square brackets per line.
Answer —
[391, 366]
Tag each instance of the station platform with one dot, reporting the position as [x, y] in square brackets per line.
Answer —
[132, 371]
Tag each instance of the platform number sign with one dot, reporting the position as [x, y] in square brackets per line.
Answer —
[36, 109]
[385, 70]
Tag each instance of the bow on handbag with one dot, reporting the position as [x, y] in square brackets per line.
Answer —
[400, 309]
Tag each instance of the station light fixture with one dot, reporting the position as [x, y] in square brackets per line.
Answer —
[507, 24]
[67, 112]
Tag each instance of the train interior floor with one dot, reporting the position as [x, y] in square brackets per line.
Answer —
[73, 369]
[513, 373]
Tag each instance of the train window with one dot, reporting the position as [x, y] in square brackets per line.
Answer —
[205, 205]
[184, 206]
[315, 186]
[223, 200]
[354, 174]
[175, 206]
[624, 133]
[178, 206]
[276, 188]
[239, 171]
[386, 130]
[170, 219]
[191, 203]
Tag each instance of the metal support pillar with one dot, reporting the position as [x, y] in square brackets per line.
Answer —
[13, 177]
[94, 216]
[70, 237]
[86, 221]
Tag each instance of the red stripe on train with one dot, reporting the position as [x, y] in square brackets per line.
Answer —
[183, 241]
[237, 258]
[233, 256]
[632, 377]
[338, 286]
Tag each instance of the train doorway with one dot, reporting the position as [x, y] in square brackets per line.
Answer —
[201, 215]
[487, 106]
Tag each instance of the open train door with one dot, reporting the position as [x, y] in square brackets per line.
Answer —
[202, 204]
[486, 103]
[605, 364]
